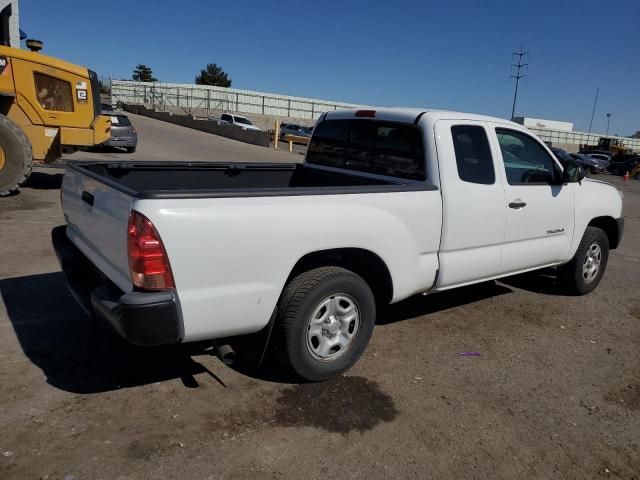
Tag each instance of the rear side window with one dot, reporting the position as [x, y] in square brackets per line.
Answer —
[120, 120]
[526, 162]
[383, 148]
[473, 155]
[53, 93]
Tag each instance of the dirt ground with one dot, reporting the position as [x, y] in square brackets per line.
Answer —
[555, 392]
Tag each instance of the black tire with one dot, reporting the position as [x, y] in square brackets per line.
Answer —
[571, 275]
[18, 157]
[300, 298]
[131, 149]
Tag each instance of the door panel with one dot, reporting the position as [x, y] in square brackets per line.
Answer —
[540, 212]
[474, 203]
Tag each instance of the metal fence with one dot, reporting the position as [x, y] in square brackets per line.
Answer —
[209, 100]
[580, 138]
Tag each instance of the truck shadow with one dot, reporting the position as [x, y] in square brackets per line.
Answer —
[44, 181]
[82, 355]
[419, 305]
[544, 282]
[79, 354]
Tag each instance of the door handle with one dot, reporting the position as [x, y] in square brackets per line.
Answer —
[517, 205]
[87, 198]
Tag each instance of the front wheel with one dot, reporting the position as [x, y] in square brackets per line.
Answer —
[15, 157]
[324, 322]
[584, 272]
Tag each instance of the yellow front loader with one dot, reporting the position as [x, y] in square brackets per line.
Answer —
[47, 107]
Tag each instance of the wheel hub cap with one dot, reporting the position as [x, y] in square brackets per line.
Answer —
[591, 264]
[333, 327]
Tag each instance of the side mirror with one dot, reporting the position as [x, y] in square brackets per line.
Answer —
[573, 173]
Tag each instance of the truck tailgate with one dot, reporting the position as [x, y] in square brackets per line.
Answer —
[97, 217]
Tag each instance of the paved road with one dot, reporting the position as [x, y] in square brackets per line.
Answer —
[165, 141]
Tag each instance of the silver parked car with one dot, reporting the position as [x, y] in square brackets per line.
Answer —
[293, 129]
[123, 133]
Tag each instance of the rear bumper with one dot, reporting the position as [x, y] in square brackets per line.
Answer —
[125, 142]
[143, 318]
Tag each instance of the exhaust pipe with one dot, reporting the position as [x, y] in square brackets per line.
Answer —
[225, 353]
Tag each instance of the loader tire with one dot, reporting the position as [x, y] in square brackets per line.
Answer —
[16, 157]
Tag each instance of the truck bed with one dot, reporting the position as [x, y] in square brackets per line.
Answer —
[207, 180]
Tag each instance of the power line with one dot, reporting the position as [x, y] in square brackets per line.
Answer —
[594, 109]
[519, 66]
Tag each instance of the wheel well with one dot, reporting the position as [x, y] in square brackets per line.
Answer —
[610, 227]
[360, 261]
[5, 104]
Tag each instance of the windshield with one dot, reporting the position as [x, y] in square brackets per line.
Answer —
[242, 120]
[120, 120]
[561, 154]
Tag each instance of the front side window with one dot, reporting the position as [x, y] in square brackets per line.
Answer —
[53, 93]
[526, 162]
[473, 154]
[383, 148]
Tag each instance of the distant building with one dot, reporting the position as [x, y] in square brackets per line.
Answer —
[541, 123]
[9, 23]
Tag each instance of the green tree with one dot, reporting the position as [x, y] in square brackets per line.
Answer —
[213, 75]
[142, 73]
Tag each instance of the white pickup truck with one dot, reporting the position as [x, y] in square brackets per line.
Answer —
[388, 204]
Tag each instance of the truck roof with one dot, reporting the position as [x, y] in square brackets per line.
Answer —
[409, 115]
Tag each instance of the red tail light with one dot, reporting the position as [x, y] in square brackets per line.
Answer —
[366, 113]
[148, 261]
[133, 131]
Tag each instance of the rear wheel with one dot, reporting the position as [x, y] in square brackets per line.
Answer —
[584, 272]
[325, 320]
[15, 157]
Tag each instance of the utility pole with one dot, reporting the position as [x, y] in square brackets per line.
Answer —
[608, 117]
[520, 54]
[594, 109]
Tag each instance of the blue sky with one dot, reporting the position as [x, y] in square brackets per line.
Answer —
[437, 54]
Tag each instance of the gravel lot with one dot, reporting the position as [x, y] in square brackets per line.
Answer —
[554, 393]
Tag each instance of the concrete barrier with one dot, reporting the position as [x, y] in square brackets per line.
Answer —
[230, 131]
